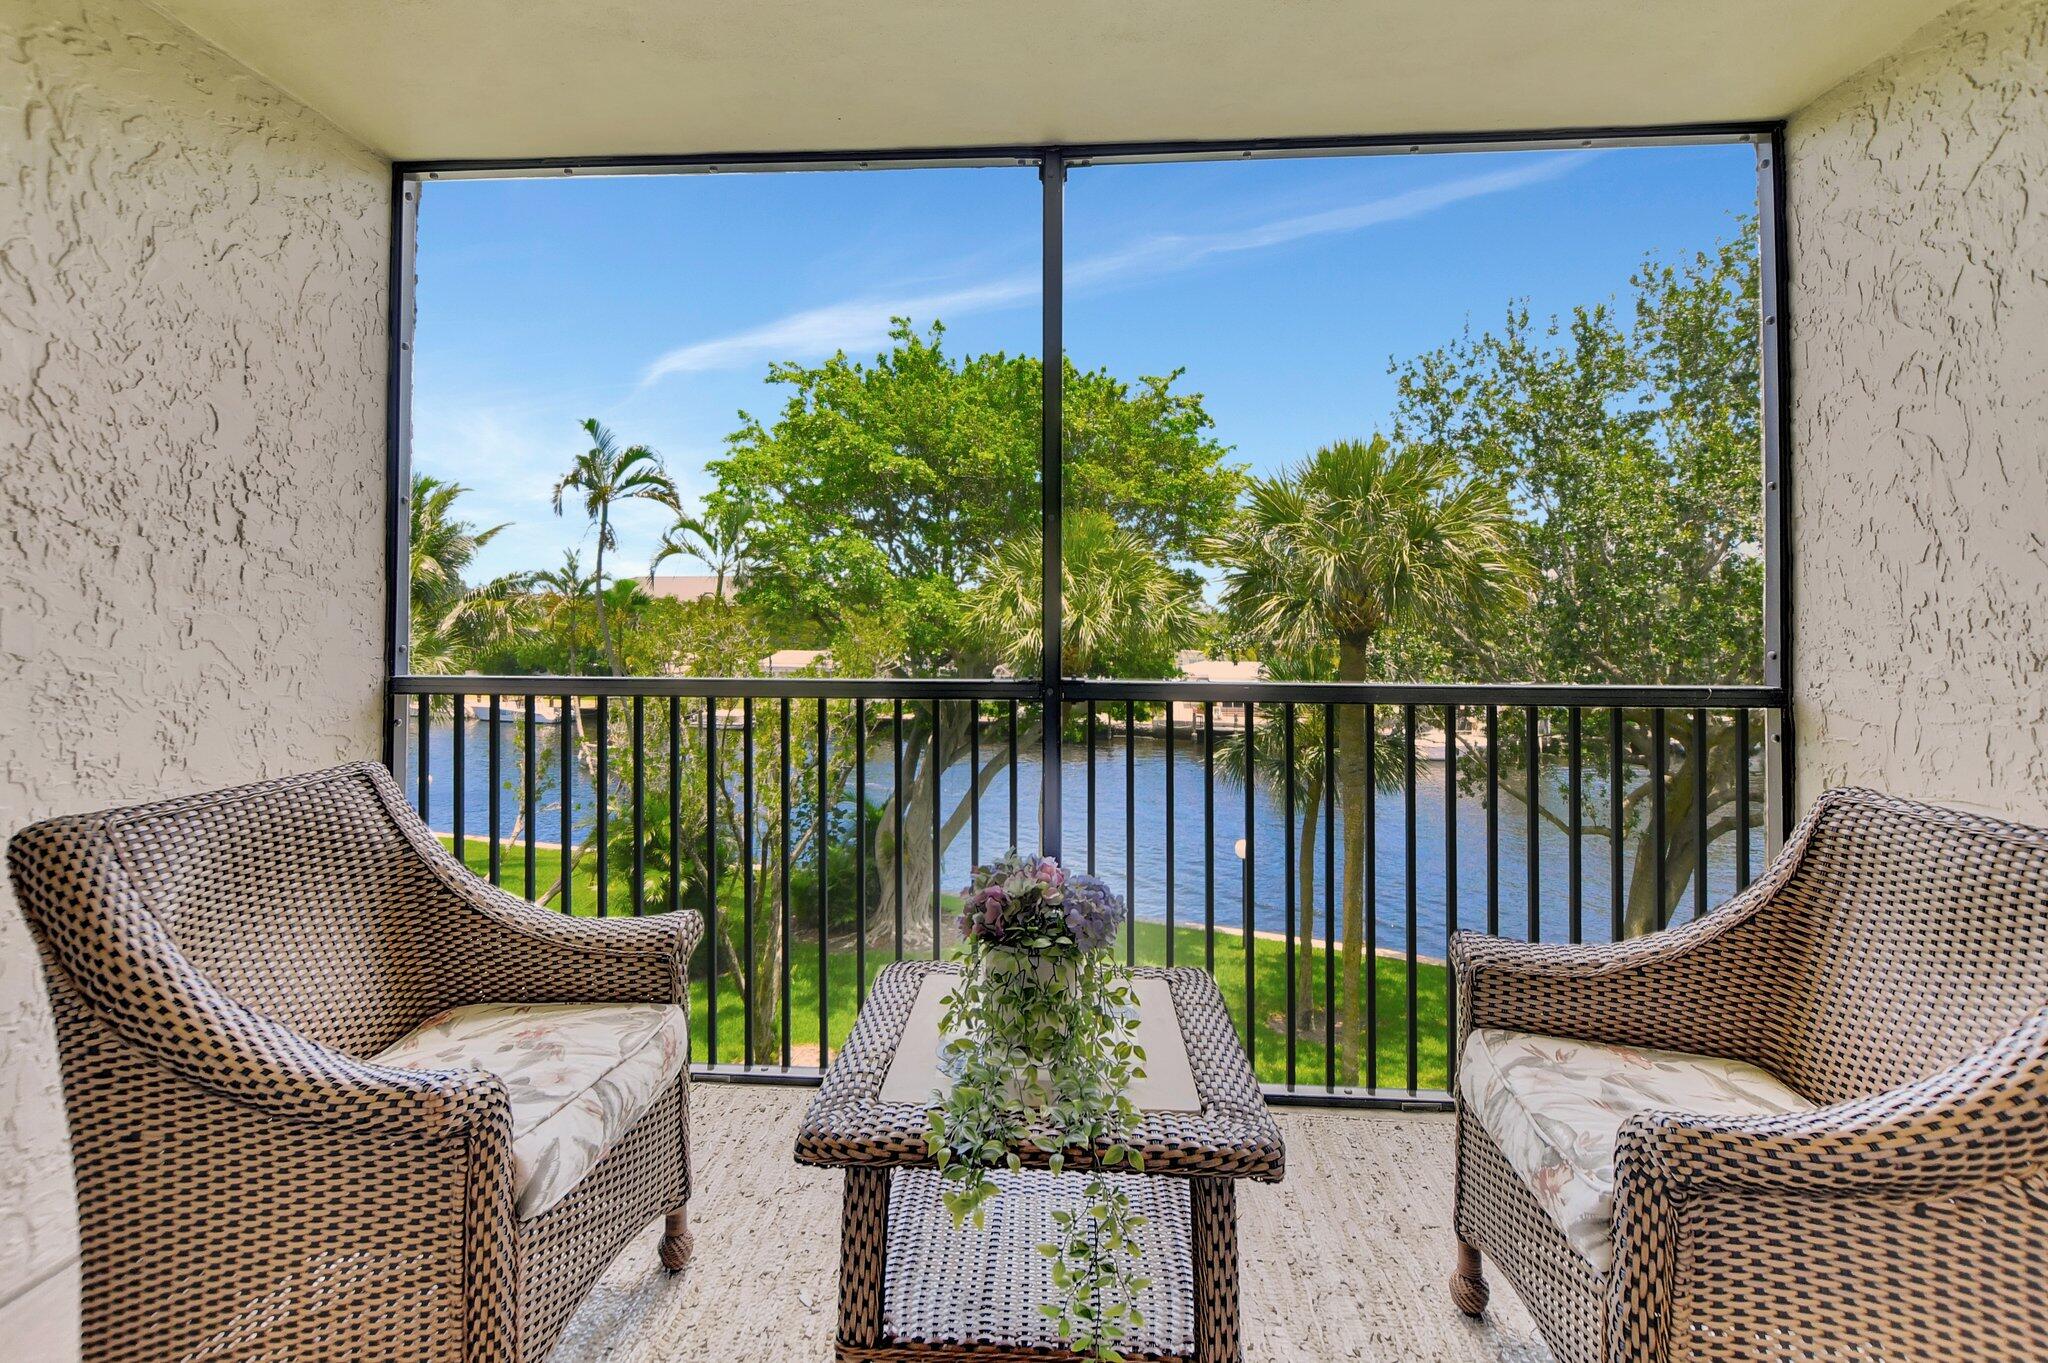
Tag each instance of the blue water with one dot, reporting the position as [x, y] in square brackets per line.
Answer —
[1207, 873]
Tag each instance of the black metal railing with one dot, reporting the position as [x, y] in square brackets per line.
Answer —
[824, 826]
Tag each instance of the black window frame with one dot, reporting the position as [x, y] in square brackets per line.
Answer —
[1051, 688]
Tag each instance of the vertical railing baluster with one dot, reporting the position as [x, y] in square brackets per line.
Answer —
[1171, 850]
[938, 851]
[1091, 787]
[1408, 869]
[1575, 880]
[786, 920]
[896, 802]
[675, 803]
[713, 788]
[1130, 833]
[421, 779]
[1287, 855]
[1209, 835]
[565, 731]
[1657, 756]
[457, 734]
[1617, 851]
[527, 789]
[860, 850]
[1330, 899]
[974, 783]
[1700, 759]
[1251, 980]
[747, 952]
[494, 759]
[1742, 876]
[1013, 775]
[1450, 887]
[821, 829]
[1493, 820]
[604, 794]
[1532, 797]
[639, 806]
[1371, 952]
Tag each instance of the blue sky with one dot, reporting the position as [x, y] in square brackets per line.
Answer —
[1281, 287]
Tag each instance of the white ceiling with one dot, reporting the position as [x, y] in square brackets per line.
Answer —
[420, 79]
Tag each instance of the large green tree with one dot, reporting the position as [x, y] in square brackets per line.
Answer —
[884, 486]
[892, 514]
[1361, 539]
[1630, 442]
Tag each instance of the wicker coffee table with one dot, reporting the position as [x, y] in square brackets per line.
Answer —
[912, 1287]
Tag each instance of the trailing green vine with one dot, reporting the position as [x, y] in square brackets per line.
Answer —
[1042, 1047]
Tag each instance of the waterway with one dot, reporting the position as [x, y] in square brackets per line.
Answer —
[1207, 874]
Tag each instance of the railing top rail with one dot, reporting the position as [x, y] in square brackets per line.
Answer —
[1086, 689]
[1426, 693]
[831, 688]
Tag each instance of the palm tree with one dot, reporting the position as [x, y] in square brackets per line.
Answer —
[563, 591]
[1359, 538]
[450, 618]
[1124, 610]
[717, 539]
[607, 475]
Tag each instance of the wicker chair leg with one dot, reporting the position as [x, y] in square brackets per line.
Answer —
[1468, 1285]
[675, 1240]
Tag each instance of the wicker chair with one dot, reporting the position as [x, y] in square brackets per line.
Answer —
[1891, 969]
[251, 1183]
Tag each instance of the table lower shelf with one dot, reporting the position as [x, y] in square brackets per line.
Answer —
[952, 1290]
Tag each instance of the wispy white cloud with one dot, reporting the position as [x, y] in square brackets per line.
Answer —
[838, 326]
[1172, 251]
[863, 323]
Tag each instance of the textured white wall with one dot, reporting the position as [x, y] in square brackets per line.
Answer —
[1919, 213]
[192, 305]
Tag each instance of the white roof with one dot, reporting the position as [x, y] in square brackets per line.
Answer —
[681, 586]
[792, 658]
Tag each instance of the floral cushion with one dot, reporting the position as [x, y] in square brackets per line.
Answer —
[1555, 1107]
[580, 1075]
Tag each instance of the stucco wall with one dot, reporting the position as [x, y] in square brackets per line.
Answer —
[191, 421]
[1919, 213]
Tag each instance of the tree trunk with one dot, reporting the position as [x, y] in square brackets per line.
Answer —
[1306, 1001]
[920, 780]
[604, 629]
[1351, 751]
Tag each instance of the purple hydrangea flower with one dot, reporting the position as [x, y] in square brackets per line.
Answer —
[1092, 912]
[1023, 902]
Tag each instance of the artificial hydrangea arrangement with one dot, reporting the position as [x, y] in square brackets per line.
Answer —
[1042, 1046]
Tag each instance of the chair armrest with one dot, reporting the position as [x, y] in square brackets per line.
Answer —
[507, 950]
[1982, 1120]
[1890, 1219]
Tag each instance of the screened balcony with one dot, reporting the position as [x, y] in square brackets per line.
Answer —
[1721, 326]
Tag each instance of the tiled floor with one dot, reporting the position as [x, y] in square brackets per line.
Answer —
[1346, 1260]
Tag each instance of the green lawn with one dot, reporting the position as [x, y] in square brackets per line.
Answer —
[1269, 1045]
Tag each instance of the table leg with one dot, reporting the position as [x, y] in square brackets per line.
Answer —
[863, 1244]
[1213, 1203]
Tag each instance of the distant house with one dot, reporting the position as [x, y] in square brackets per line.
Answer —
[1197, 666]
[787, 662]
[681, 586]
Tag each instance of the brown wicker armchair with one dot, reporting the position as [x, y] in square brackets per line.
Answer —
[256, 1176]
[1889, 972]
